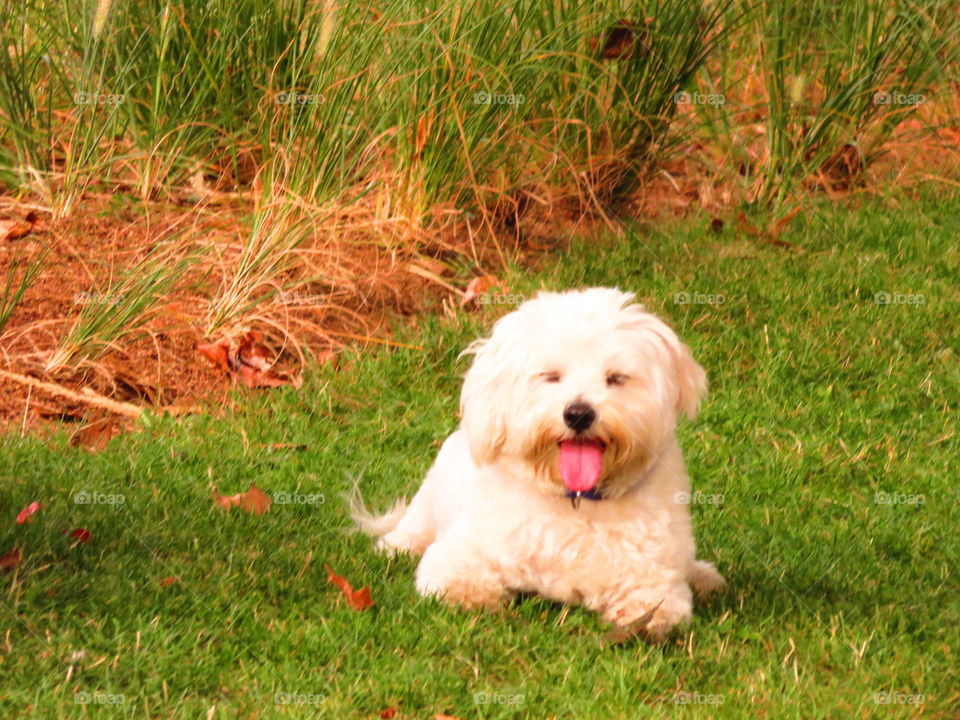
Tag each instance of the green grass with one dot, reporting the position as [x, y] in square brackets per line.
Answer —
[820, 400]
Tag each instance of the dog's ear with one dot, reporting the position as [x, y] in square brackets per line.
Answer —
[690, 380]
[484, 399]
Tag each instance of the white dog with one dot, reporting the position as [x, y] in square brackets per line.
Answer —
[565, 477]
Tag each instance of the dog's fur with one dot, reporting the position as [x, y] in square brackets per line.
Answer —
[493, 516]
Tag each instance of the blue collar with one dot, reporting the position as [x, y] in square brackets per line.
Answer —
[591, 494]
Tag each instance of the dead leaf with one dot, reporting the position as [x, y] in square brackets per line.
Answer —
[26, 514]
[251, 361]
[622, 39]
[388, 713]
[218, 354]
[14, 229]
[96, 435]
[10, 560]
[441, 716]
[168, 581]
[81, 535]
[253, 353]
[744, 225]
[481, 286]
[357, 599]
[253, 378]
[423, 131]
[780, 224]
[254, 500]
[620, 635]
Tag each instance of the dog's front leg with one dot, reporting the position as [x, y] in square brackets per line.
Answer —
[457, 573]
[658, 608]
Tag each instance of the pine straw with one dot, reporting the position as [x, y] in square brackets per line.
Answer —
[356, 267]
[360, 262]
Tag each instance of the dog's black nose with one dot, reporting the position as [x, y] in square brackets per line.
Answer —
[579, 416]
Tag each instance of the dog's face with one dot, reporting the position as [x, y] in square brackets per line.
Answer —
[582, 387]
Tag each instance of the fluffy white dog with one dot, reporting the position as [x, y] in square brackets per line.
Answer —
[565, 477]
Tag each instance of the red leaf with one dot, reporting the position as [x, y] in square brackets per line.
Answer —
[168, 581]
[254, 500]
[81, 534]
[253, 378]
[10, 560]
[217, 353]
[481, 286]
[24, 515]
[14, 229]
[388, 713]
[253, 352]
[252, 360]
[357, 599]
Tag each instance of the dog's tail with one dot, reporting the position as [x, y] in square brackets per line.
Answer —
[370, 523]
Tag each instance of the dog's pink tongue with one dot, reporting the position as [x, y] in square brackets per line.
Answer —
[580, 463]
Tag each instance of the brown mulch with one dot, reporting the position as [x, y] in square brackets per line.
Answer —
[163, 369]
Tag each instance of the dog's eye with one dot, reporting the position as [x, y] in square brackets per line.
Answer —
[552, 377]
[616, 379]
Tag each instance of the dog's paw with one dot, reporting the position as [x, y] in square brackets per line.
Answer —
[469, 593]
[705, 578]
[654, 625]
[473, 595]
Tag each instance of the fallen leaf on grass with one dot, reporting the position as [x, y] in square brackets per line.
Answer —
[441, 716]
[777, 227]
[357, 599]
[481, 286]
[80, 534]
[26, 514]
[254, 500]
[388, 713]
[10, 560]
[289, 446]
[169, 580]
[771, 234]
[96, 435]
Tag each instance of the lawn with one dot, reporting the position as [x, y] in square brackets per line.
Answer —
[825, 463]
